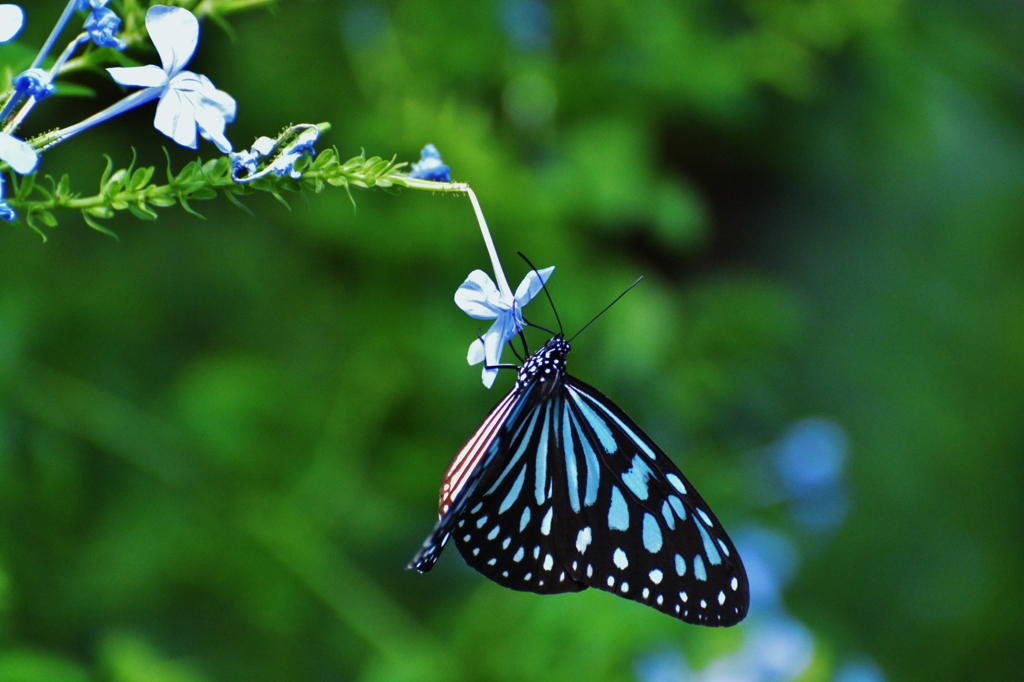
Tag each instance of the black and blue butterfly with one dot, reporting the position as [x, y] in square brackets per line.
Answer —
[558, 490]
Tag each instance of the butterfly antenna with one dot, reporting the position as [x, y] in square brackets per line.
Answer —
[608, 306]
[537, 326]
[545, 288]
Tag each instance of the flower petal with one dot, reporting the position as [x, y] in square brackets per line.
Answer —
[479, 297]
[12, 18]
[149, 76]
[20, 154]
[175, 119]
[476, 353]
[175, 33]
[211, 126]
[532, 284]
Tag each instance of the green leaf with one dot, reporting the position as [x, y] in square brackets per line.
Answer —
[96, 226]
[234, 200]
[141, 178]
[100, 212]
[325, 158]
[203, 193]
[108, 169]
[28, 182]
[63, 189]
[189, 209]
[161, 200]
[48, 218]
[142, 212]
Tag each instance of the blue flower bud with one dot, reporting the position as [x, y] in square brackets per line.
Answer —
[430, 166]
[102, 26]
[35, 83]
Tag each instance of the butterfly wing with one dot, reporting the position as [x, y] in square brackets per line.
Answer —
[463, 474]
[514, 531]
[637, 527]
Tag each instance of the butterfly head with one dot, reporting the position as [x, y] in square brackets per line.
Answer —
[547, 365]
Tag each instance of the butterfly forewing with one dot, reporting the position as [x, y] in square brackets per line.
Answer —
[648, 535]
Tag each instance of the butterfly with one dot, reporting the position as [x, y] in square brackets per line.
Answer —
[558, 490]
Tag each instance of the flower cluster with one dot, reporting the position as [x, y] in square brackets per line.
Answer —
[189, 105]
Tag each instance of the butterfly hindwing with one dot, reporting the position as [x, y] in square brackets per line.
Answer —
[646, 533]
[463, 475]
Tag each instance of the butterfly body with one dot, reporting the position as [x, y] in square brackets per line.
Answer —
[558, 490]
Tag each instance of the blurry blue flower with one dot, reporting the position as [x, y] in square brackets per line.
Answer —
[864, 670]
[363, 25]
[430, 166]
[811, 455]
[12, 18]
[771, 561]
[188, 101]
[527, 23]
[480, 298]
[810, 459]
[102, 25]
[91, 4]
[663, 666]
[34, 83]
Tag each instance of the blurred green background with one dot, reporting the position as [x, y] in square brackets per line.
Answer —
[221, 440]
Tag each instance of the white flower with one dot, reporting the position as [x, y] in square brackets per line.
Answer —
[187, 100]
[11, 20]
[480, 298]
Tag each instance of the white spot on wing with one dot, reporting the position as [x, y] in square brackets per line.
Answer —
[548, 562]
[583, 540]
[620, 559]
[655, 576]
[545, 525]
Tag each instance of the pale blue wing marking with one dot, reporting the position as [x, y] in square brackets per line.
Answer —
[519, 453]
[513, 494]
[652, 534]
[666, 513]
[636, 478]
[571, 471]
[618, 512]
[604, 434]
[593, 468]
[677, 504]
[698, 568]
[629, 432]
[709, 545]
[542, 458]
